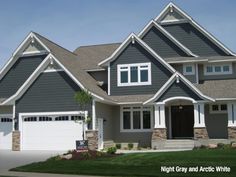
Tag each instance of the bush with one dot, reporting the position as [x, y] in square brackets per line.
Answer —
[130, 146]
[220, 145]
[111, 150]
[118, 146]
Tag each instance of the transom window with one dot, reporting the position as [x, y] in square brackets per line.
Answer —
[137, 118]
[218, 108]
[218, 69]
[6, 119]
[189, 69]
[62, 118]
[30, 119]
[134, 74]
[45, 118]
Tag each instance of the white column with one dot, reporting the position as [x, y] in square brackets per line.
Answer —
[13, 117]
[199, 115]
[231, 107]
[160, 120]
[94, 115]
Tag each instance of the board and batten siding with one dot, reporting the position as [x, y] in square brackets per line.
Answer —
[18, 74]
[178, 90]
[50, 92]
[134, 53]
[203, 77]
[194, 40]
[162, 45]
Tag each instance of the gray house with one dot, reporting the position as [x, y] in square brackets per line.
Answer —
[172, 81]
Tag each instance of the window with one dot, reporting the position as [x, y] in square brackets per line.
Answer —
[61, 118]
[134, 119]
[45, 118]
[218, 108]
[189, 69]
[134, 74]
[30, 119]
[77, 118]
[6, 119]
[218, 69]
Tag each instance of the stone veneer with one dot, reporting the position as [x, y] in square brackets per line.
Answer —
[200, 133]
[16, 140]
[92, 137]
[232, 132]
[159, 134]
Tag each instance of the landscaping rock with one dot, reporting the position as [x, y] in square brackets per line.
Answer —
[233, 145]
[212, 146]
[67, 156]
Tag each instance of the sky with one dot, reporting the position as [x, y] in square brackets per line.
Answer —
[74, 23]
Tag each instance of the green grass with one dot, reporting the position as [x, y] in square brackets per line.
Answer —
[140, 164]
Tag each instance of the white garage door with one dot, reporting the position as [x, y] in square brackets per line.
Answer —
[51, 132]
[5, 132]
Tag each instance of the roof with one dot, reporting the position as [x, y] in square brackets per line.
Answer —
[217, 88]
[90, 56]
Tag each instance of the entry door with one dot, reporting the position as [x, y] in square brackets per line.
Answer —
[100, 133]
[182, 120]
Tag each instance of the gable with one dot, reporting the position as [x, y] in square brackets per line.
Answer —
[33, 47]
[172, 15]
[162, 45]
[135, 53]
[51, 91]
[178, 90]
[18, 74]
[194, 40]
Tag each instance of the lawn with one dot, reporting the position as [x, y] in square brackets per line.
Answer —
[141, 164]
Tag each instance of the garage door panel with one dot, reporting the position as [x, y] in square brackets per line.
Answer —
[51, 135]
[5, 135]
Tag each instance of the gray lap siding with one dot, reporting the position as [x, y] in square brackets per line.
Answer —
[134, 53]
[18, 74]
[50, 92]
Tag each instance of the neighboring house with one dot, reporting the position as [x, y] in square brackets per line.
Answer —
[173, 80]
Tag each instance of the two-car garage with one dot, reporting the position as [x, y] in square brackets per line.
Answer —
[51, 131]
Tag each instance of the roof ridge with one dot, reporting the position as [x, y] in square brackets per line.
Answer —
[54, 43]
[98, 44]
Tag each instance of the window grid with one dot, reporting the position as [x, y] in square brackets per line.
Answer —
[218, 69]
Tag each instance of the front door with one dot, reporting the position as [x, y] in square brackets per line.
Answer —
[182, 120]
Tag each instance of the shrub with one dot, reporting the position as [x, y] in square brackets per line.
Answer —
[220, 145]
[111, 150]
[130, 146]
[118, 146]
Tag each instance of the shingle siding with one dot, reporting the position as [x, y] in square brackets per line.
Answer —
[178, 89]
[51, 92]
[162, 45]
[134, 53]
[18, 74]
[194, 40]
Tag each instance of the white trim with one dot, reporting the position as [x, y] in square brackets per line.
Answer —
[167, 34]
[160, 120]
[13, 116]
[39, 52]
[93, 115]
[199, 115]
[221, 65]
[170, 82]
[178, 98]
[131, 110]
[131, 37]
[201, 29]
[188, 61]
[185, 67]
[231, 106]
[197, 74]
[36, 73]
[225, 99]
[16, 53]
[109, 79]
[129, 83]
[124, 103]
[170, 122]
[52, 70]
[95, 70]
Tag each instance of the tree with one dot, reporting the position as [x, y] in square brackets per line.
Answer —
[84, 99]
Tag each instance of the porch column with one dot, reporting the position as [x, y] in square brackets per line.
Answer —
[200, 131]
[94, 115]
[231, 107]
[159, 131]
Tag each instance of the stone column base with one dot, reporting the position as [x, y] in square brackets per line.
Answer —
[232, 132]
[159, 134]
[200, 133]
[92, 137]
[16, 140]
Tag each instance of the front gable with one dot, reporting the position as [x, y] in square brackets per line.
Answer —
[134, 54]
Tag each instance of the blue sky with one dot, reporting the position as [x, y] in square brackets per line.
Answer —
[72, 23]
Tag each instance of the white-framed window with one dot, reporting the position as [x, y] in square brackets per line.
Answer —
[218, 108]
[188, 69]
[134, 74]
[136, 119]
[218, 69]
